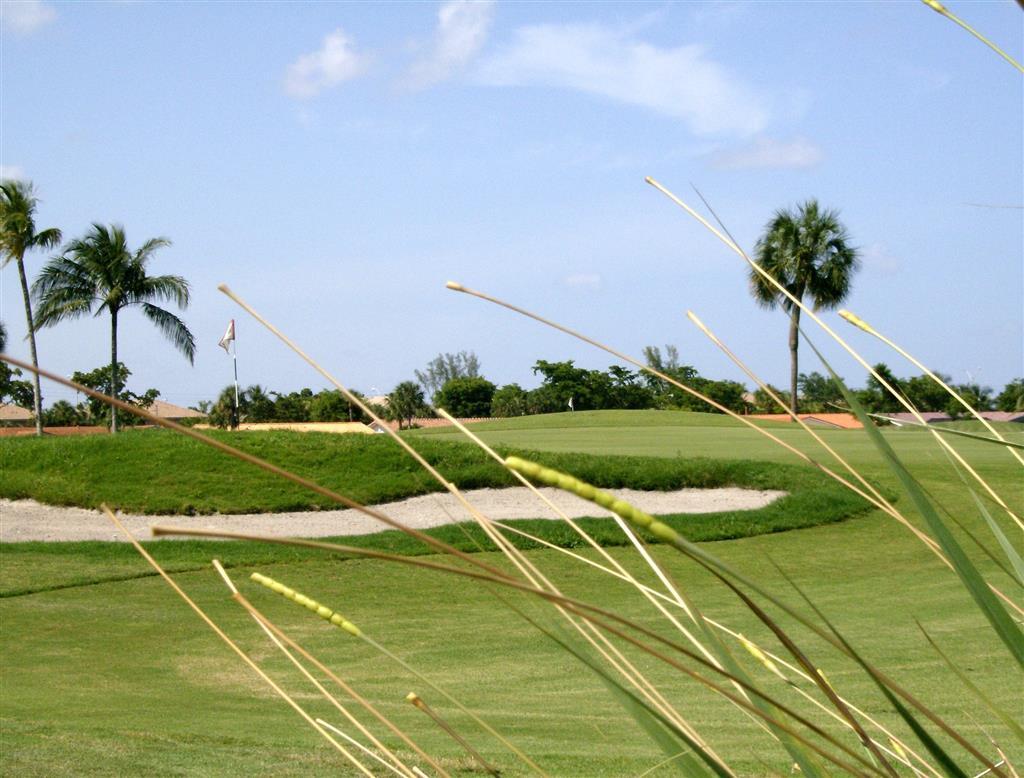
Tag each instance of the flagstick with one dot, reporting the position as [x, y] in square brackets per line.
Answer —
[419, 703]
[234, 360]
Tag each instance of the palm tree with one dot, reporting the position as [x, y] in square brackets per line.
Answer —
[807, 252]
[100, 272]
[18, 235]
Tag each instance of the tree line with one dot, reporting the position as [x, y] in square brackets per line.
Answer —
[804, 253]
[454, 382]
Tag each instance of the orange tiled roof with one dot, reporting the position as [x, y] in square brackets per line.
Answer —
[846, 421]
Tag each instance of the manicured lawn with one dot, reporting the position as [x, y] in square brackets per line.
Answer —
[118, 677]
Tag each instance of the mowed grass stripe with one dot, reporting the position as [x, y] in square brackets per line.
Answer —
[119, 678]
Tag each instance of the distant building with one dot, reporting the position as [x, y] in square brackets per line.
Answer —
[843, 421]
[930, 417]
[166, 410]
[1014, 416]
[15, 415]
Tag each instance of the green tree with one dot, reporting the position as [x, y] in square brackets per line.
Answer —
[1012, 397]
[18, 235]
[99, 272]
[406, 403]
[100, 380]
[332, 405]
[14, 390]
[64, 414]
[977, 396]
[808, 252]
[221, 412]
[466, 398]
[509, 400]
[763, 402]
[925, 394]
[819, 393]
[665, 394]
[259, 405]
[588, 389]
[879, 399]
[726, 393]
[629, 390]
[444, 367]
[293, 406]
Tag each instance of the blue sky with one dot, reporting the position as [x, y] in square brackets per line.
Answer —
[336, 163]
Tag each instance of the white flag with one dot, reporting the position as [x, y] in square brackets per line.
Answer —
[571, 406]
[229, 335]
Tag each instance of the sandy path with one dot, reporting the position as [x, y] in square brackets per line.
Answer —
[28, 520]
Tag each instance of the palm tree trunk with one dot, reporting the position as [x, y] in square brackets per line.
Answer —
[113, 369]
[37, 395]
[794, 344]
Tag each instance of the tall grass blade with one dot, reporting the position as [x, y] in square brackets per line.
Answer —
[947, 431]
[659, 728]
[934, 748]
[813, 315]
[1011, 553]
[1003, 716]
[718, 568]
[592, 613]
[1007, 630]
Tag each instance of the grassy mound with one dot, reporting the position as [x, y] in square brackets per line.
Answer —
[156, 472]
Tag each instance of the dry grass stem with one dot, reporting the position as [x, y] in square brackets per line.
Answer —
[835, 336]
[859, 323]
[596, 614]
[234, 646]
[525, 568]
[875, 498]
[361, 747]
[940, 9]
[260, 620]
[421, 705]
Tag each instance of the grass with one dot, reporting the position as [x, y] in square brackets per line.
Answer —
[116, 676]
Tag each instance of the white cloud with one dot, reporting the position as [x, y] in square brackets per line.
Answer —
[26, 16]
[583, 281]
[876, 258]
[462, 28]
[769, 154]
[9, 172]
[329, 66]
[680, 82]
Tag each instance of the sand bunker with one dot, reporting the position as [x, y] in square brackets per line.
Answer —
[22, 520]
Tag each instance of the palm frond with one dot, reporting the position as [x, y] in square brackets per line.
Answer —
[173, 328]
[47, 239]
[62, 291]
[172, 288]
[17, 224]
[146, 251]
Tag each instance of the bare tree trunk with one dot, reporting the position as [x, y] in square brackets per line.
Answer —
[113, 369]
[794, 344]
[37, 395]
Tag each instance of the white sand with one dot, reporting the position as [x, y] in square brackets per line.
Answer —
[28, 520]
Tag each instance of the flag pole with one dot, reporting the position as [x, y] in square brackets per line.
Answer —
[230, 346]
[234, 360]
